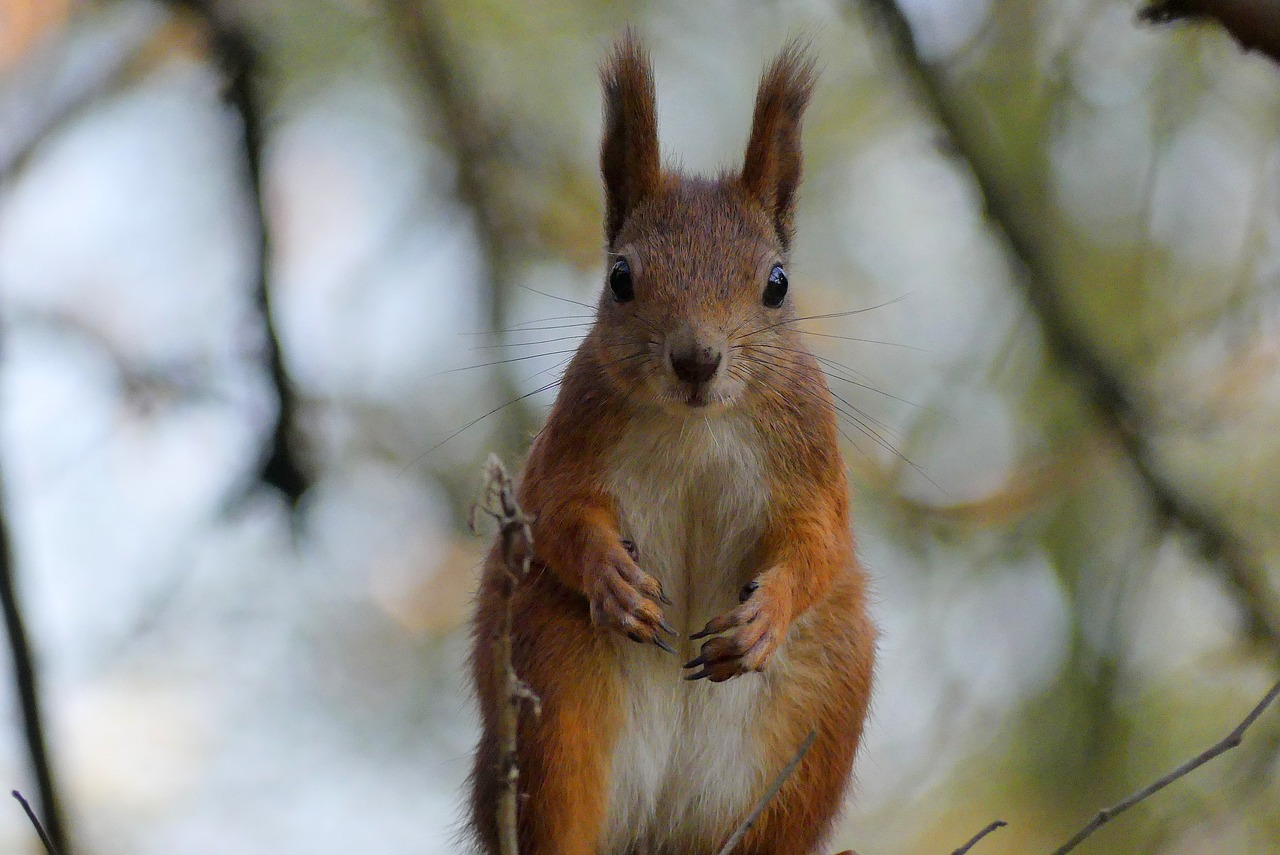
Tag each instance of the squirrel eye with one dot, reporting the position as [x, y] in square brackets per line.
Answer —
[620, 281]
[776, 290]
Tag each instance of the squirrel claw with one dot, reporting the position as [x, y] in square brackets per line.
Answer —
[662, 645]
[701, 675]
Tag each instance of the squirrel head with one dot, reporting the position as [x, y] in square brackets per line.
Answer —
[695, 312]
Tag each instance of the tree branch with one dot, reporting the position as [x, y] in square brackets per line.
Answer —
[237, 59]
[1254, 24]
[781, 779]
[41, 832]
[498, 502]
[977, 838]
[1114, 404]
[27, 683]
[1102, 817]
[1231, 740]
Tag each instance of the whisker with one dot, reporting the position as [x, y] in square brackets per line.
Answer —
[558, 297]
[785, 321]
[561, 364]
[524, 325]
[861, 420]
[503, 361]
[864, 382]
[865, 340]
[479, 419]
[527, 343]
[534, 329]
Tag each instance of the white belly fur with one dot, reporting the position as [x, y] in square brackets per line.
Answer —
[692, 496]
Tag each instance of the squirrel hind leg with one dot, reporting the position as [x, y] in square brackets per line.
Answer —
[563, 753]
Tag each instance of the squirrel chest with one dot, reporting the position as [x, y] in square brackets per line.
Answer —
[692, 495]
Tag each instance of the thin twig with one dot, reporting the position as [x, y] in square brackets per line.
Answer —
[1231, 740]
[35, 821]
[769, 794]
[515, 530]
[1114, 402]
[27, 683]
[973, 841]
[237, 59]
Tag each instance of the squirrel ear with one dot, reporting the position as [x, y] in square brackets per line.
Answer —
[772, 169]
[629, 158]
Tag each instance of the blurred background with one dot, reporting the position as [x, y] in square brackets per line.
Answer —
[240, 547]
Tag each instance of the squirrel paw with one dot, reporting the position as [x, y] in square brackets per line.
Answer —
[745, 639]
[625, 598]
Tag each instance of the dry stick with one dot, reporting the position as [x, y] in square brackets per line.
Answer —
[498, 501]
[973, 841]
[1115, 404]
[35, 821]
[769, 794]
[1231, 740]
[237, 60]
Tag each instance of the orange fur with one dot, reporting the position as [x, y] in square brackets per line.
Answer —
[721, 483]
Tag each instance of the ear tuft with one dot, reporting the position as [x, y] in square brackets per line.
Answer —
[629, 158]
[773, 165]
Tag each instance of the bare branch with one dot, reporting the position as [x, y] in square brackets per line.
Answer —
[498, 501]
[1231, 740]
[769, 794]
[35, 822]
[1114, 403]
[27, 683]
[235, 54]
[977, 838]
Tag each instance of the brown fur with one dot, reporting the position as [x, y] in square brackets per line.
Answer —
[700, 252]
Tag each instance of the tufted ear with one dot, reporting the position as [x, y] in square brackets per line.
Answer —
[629, 160]
[771, 171]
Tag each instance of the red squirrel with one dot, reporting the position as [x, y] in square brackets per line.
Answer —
[689, 502]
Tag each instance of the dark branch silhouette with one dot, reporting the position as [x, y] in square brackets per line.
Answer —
[977, 838]
[1102, 817]
[1254, 24]
[237, 59]
[27, 683]
[41, 831]
[1115, 405]
[1231, 740]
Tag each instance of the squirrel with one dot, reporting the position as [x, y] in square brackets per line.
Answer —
[688, 497]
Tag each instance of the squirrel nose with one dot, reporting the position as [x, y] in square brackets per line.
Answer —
[696, 364]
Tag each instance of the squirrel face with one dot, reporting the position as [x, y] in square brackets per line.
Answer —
[695, 312]
[695, 299]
